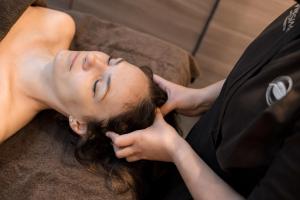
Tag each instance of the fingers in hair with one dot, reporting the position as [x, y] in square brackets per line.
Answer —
[133, 158]
[122, 140]
[161, 82]
[166, 108]
[125, 152]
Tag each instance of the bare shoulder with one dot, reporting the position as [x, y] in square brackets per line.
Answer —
[16, 113]
[56, 24]
[4, 116]
[62, 20]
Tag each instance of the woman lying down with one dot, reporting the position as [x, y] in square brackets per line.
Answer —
[95, 92]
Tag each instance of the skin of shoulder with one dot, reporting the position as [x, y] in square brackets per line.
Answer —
[38, 28]
[59, 27]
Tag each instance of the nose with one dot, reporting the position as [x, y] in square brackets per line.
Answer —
[91, 61]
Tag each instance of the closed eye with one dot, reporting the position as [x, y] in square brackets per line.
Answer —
[95, 86]
[109, 59]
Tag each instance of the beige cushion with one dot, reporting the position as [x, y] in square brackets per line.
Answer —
[137, 48]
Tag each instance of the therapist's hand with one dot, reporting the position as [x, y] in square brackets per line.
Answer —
[186, 101]
[157, 142]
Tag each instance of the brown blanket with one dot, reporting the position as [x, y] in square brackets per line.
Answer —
[38, 162]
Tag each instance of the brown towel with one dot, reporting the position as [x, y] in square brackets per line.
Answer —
[38, 163]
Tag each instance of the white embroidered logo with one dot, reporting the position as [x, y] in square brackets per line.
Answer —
[278, 89]
[289, 21]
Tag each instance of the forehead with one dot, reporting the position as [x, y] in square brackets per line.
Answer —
[128, 87]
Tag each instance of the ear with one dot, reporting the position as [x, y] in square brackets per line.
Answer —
[78, 126]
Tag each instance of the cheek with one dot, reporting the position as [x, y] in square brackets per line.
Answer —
[79, 87]
[72, 89]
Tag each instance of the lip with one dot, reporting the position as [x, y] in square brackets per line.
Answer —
[73, 60]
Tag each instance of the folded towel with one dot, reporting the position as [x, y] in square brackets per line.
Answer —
[10, 11]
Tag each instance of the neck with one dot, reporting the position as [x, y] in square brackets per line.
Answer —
[33, 80]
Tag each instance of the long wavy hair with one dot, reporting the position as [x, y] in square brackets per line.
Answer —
[96, 151]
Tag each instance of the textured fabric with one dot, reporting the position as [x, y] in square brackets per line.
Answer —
[38, 162]
[140, 49]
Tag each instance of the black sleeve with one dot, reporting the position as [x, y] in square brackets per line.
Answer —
[282, 179]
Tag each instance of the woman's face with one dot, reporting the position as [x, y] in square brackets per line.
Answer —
[93, 86]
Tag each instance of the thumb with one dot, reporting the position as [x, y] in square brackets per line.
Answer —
[166, 108]
[161, 82]
[164, 85]
[159, 116]
[111, 135]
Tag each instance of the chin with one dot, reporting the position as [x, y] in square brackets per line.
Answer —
[59, 62]
[61, 58]
[58, 56]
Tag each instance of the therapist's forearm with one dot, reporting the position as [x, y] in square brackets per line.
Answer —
[212, 91]
[201, 181]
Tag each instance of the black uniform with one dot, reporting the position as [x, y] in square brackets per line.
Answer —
[251, 135]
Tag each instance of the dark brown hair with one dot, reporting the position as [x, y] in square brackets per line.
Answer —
[96, 151]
